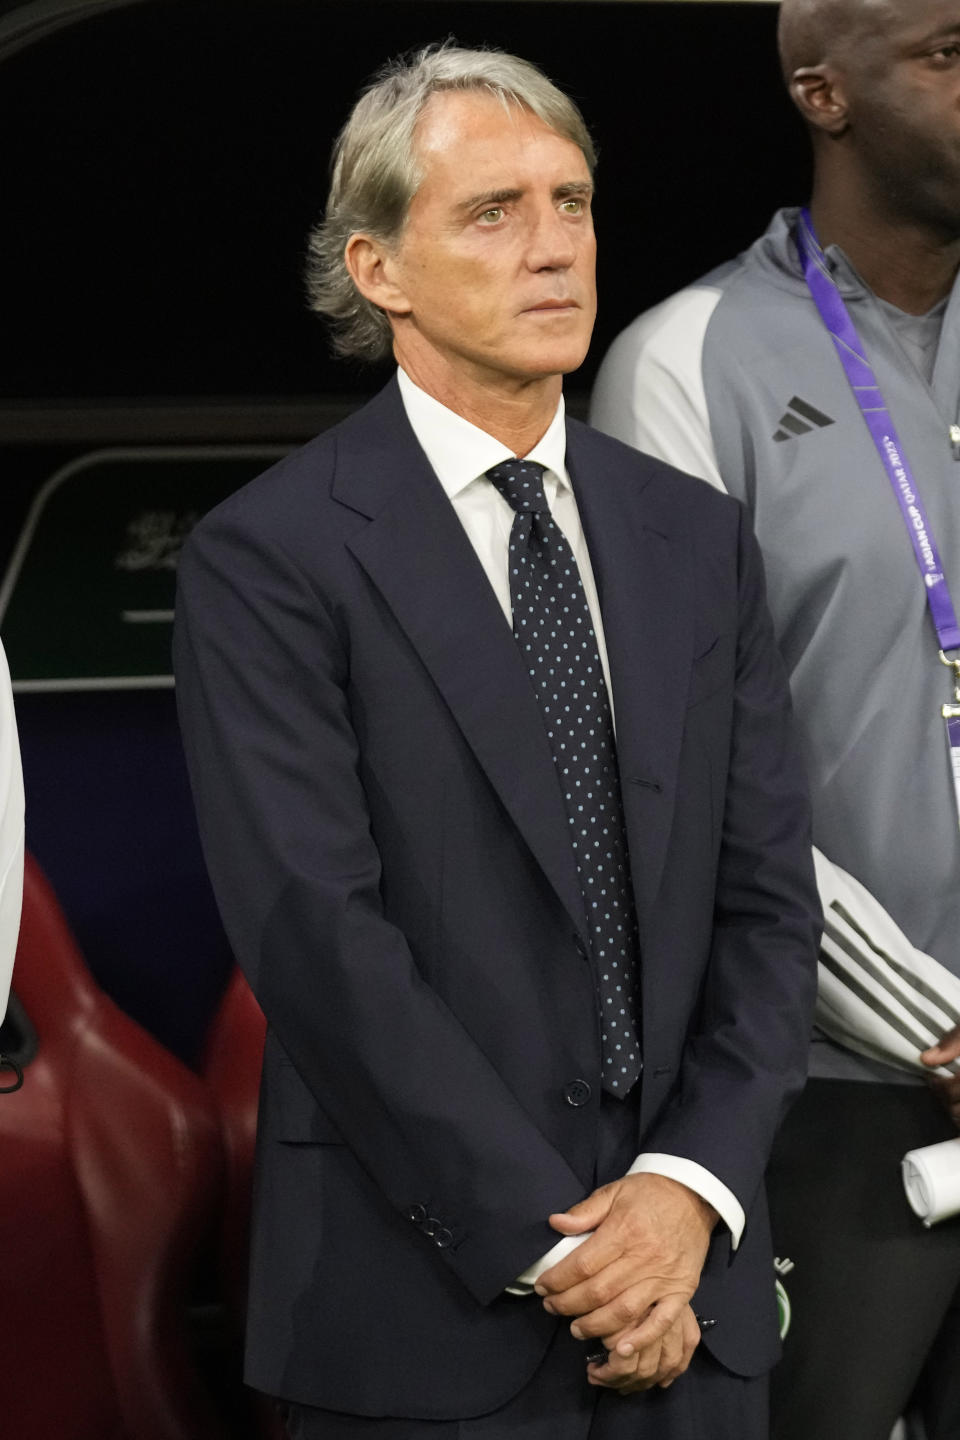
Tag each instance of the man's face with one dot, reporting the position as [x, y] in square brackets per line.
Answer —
[901, 74]
[496, 262]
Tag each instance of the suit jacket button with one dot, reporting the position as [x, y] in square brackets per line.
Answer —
[577, 1093]
[443, 1238]
[417, 1213]
[432, 1226]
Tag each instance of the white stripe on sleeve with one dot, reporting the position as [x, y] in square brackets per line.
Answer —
[879, 995]
[649, 391]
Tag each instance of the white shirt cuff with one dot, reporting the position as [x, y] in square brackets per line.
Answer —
[674, 1167]
[523, 1285]
[702, 1182]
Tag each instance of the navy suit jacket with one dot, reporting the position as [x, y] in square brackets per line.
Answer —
[387, 840]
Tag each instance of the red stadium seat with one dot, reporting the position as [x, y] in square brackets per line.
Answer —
[231, 1062]
[110, 1168]
[231, 1067]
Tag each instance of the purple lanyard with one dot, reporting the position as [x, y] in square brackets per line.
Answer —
[863, 383]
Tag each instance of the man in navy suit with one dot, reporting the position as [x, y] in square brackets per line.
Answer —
[492, 759]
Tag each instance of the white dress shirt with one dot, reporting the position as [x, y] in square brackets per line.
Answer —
[11, 834]
[461, 454]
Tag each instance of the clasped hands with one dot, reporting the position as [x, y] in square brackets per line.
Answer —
[630, 1284]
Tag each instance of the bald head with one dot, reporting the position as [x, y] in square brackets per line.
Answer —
[878, 84]
[816, 32]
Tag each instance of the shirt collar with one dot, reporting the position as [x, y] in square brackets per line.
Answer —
[460, 453]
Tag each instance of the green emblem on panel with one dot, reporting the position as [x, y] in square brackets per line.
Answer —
[784, 1312]
[783, 1309]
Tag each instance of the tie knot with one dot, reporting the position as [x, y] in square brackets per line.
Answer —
[520, 482]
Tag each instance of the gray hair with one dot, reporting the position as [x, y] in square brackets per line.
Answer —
[375, 172]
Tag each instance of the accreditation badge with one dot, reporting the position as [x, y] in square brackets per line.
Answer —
[951, 714]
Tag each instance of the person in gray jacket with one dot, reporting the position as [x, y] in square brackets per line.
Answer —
[817, 378]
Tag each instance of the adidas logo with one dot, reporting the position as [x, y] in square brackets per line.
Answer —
[791, 426]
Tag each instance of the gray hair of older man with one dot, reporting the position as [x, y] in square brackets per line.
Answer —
[375, 171]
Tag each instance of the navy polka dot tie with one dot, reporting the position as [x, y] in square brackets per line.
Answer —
[552, 625]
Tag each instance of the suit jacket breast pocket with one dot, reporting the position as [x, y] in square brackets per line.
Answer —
[294, 1115]
[712, 669]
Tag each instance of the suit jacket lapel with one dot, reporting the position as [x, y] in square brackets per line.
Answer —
[645, 591]
[416, 553]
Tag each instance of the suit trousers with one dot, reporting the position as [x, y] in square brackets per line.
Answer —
[874, 1295]
[707, 1403]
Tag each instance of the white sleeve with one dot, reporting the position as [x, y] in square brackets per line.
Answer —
[649, 391]
[11, 834]
[878, 994]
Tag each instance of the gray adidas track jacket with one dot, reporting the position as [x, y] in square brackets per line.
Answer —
[735, 377]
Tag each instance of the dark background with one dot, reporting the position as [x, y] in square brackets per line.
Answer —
[161, 165]
[170, 157]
